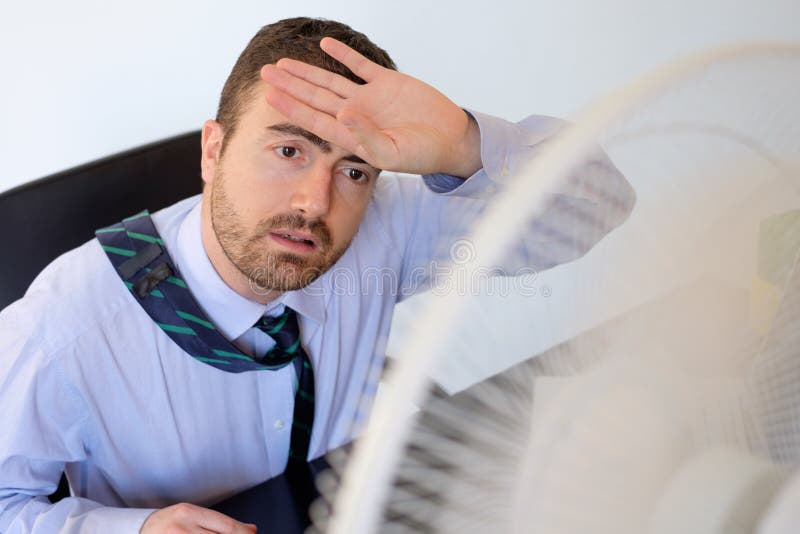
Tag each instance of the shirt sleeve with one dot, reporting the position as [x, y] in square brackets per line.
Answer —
[592, 201]
[44, 428]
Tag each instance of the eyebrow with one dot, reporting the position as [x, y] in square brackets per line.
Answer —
[291, 129]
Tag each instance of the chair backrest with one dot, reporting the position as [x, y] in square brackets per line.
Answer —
[41, 220]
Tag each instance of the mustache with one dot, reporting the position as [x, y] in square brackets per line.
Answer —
[294, 221]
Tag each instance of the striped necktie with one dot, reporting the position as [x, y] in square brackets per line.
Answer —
[286, 333]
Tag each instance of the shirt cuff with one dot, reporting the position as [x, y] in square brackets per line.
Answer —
[502, 144]
[121, 520]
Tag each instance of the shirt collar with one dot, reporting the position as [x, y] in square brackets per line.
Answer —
[232, 313]
[309, 301]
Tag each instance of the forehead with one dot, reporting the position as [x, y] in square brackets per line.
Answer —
[254, 111]
[267, 123]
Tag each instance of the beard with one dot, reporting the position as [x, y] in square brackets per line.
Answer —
[269, 270]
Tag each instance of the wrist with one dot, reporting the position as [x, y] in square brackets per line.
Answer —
[465, 157]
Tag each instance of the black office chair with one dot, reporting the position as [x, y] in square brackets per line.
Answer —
[43, 219]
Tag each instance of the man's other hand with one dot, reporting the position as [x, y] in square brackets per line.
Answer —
[393, 122]
[187, 518]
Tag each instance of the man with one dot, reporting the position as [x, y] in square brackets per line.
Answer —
[92, 382]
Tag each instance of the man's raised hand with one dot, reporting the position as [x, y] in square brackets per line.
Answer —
[393, 122]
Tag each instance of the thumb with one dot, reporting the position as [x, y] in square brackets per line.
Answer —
[373, 146]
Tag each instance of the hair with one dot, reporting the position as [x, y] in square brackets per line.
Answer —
[297, 38]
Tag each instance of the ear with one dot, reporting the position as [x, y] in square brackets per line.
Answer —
[211, 146]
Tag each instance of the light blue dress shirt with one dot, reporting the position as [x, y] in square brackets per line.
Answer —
[88, 383]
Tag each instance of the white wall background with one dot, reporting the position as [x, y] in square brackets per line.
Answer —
[86, 78]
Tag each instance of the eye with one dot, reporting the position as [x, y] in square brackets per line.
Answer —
[355, 174]
[288, 152]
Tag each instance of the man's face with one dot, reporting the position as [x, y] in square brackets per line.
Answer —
[284, 204]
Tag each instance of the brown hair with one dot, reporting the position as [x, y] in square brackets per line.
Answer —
[296, 38]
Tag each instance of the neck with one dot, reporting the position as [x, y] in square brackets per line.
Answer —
[226, 270]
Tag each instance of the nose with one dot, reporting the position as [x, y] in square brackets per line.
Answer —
[312, 193]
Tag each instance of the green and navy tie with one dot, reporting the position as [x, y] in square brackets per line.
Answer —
[286, 333]
[138, 255]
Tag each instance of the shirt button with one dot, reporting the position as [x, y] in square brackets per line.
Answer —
[491, 189]
[278, 424]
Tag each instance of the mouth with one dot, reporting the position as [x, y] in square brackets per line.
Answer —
[295, 241]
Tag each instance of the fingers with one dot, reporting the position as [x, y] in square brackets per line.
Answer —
[220, 523]
[318, 76]
[188, 518]
[358, 64]
[318, 122]
[349, 129]
[315, 96]
[373, 145]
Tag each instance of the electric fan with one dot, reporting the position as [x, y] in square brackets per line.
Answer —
[652, 385]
